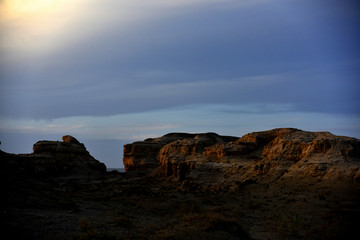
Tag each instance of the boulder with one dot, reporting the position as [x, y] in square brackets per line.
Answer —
[70, 139]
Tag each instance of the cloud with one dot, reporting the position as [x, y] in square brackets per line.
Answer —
[224, 119]
[123, 57]
[117, 127]
[312, 92]
[43, 25]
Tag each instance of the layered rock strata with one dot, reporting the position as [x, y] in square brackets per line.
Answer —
[266, 156]
[143, 155]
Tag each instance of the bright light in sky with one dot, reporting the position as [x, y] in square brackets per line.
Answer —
[35, 26]
[17, 7]
[118, 70]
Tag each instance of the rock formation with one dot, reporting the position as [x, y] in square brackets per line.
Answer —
[54, 158]
[277, 184]
[142, 155]
[260, 156]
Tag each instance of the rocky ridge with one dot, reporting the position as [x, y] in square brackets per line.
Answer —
[299, 179]
[260, 157]
[276, 184]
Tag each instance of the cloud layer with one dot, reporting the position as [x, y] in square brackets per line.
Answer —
[164, 55]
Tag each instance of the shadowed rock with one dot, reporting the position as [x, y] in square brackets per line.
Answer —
[55, 158]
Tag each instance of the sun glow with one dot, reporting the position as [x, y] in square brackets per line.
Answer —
[35, 25]
[26, 6]
[20, 8]
[34, 11]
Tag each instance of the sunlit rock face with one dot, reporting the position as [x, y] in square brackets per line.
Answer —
[285, 154]
[143, 155]
[178, 158]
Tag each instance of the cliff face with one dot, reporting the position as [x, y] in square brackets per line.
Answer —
[143, 155]
[207, 159]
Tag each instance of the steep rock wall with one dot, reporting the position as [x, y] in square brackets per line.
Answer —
[143, 155]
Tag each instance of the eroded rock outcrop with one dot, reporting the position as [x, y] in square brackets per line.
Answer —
[284, 184]
[54, 158]
[288, 155]
[212, 161]
[143, 155]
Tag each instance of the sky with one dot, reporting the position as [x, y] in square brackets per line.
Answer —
[113, 72]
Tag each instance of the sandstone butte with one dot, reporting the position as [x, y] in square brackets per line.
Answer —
[277, 184]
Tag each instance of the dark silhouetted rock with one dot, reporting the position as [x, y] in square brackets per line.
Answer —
[55, 158]
[71, 156]
[141, 155]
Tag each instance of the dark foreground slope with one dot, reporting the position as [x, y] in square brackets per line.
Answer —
[277, 184]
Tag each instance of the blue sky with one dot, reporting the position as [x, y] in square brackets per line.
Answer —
[112, 72]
